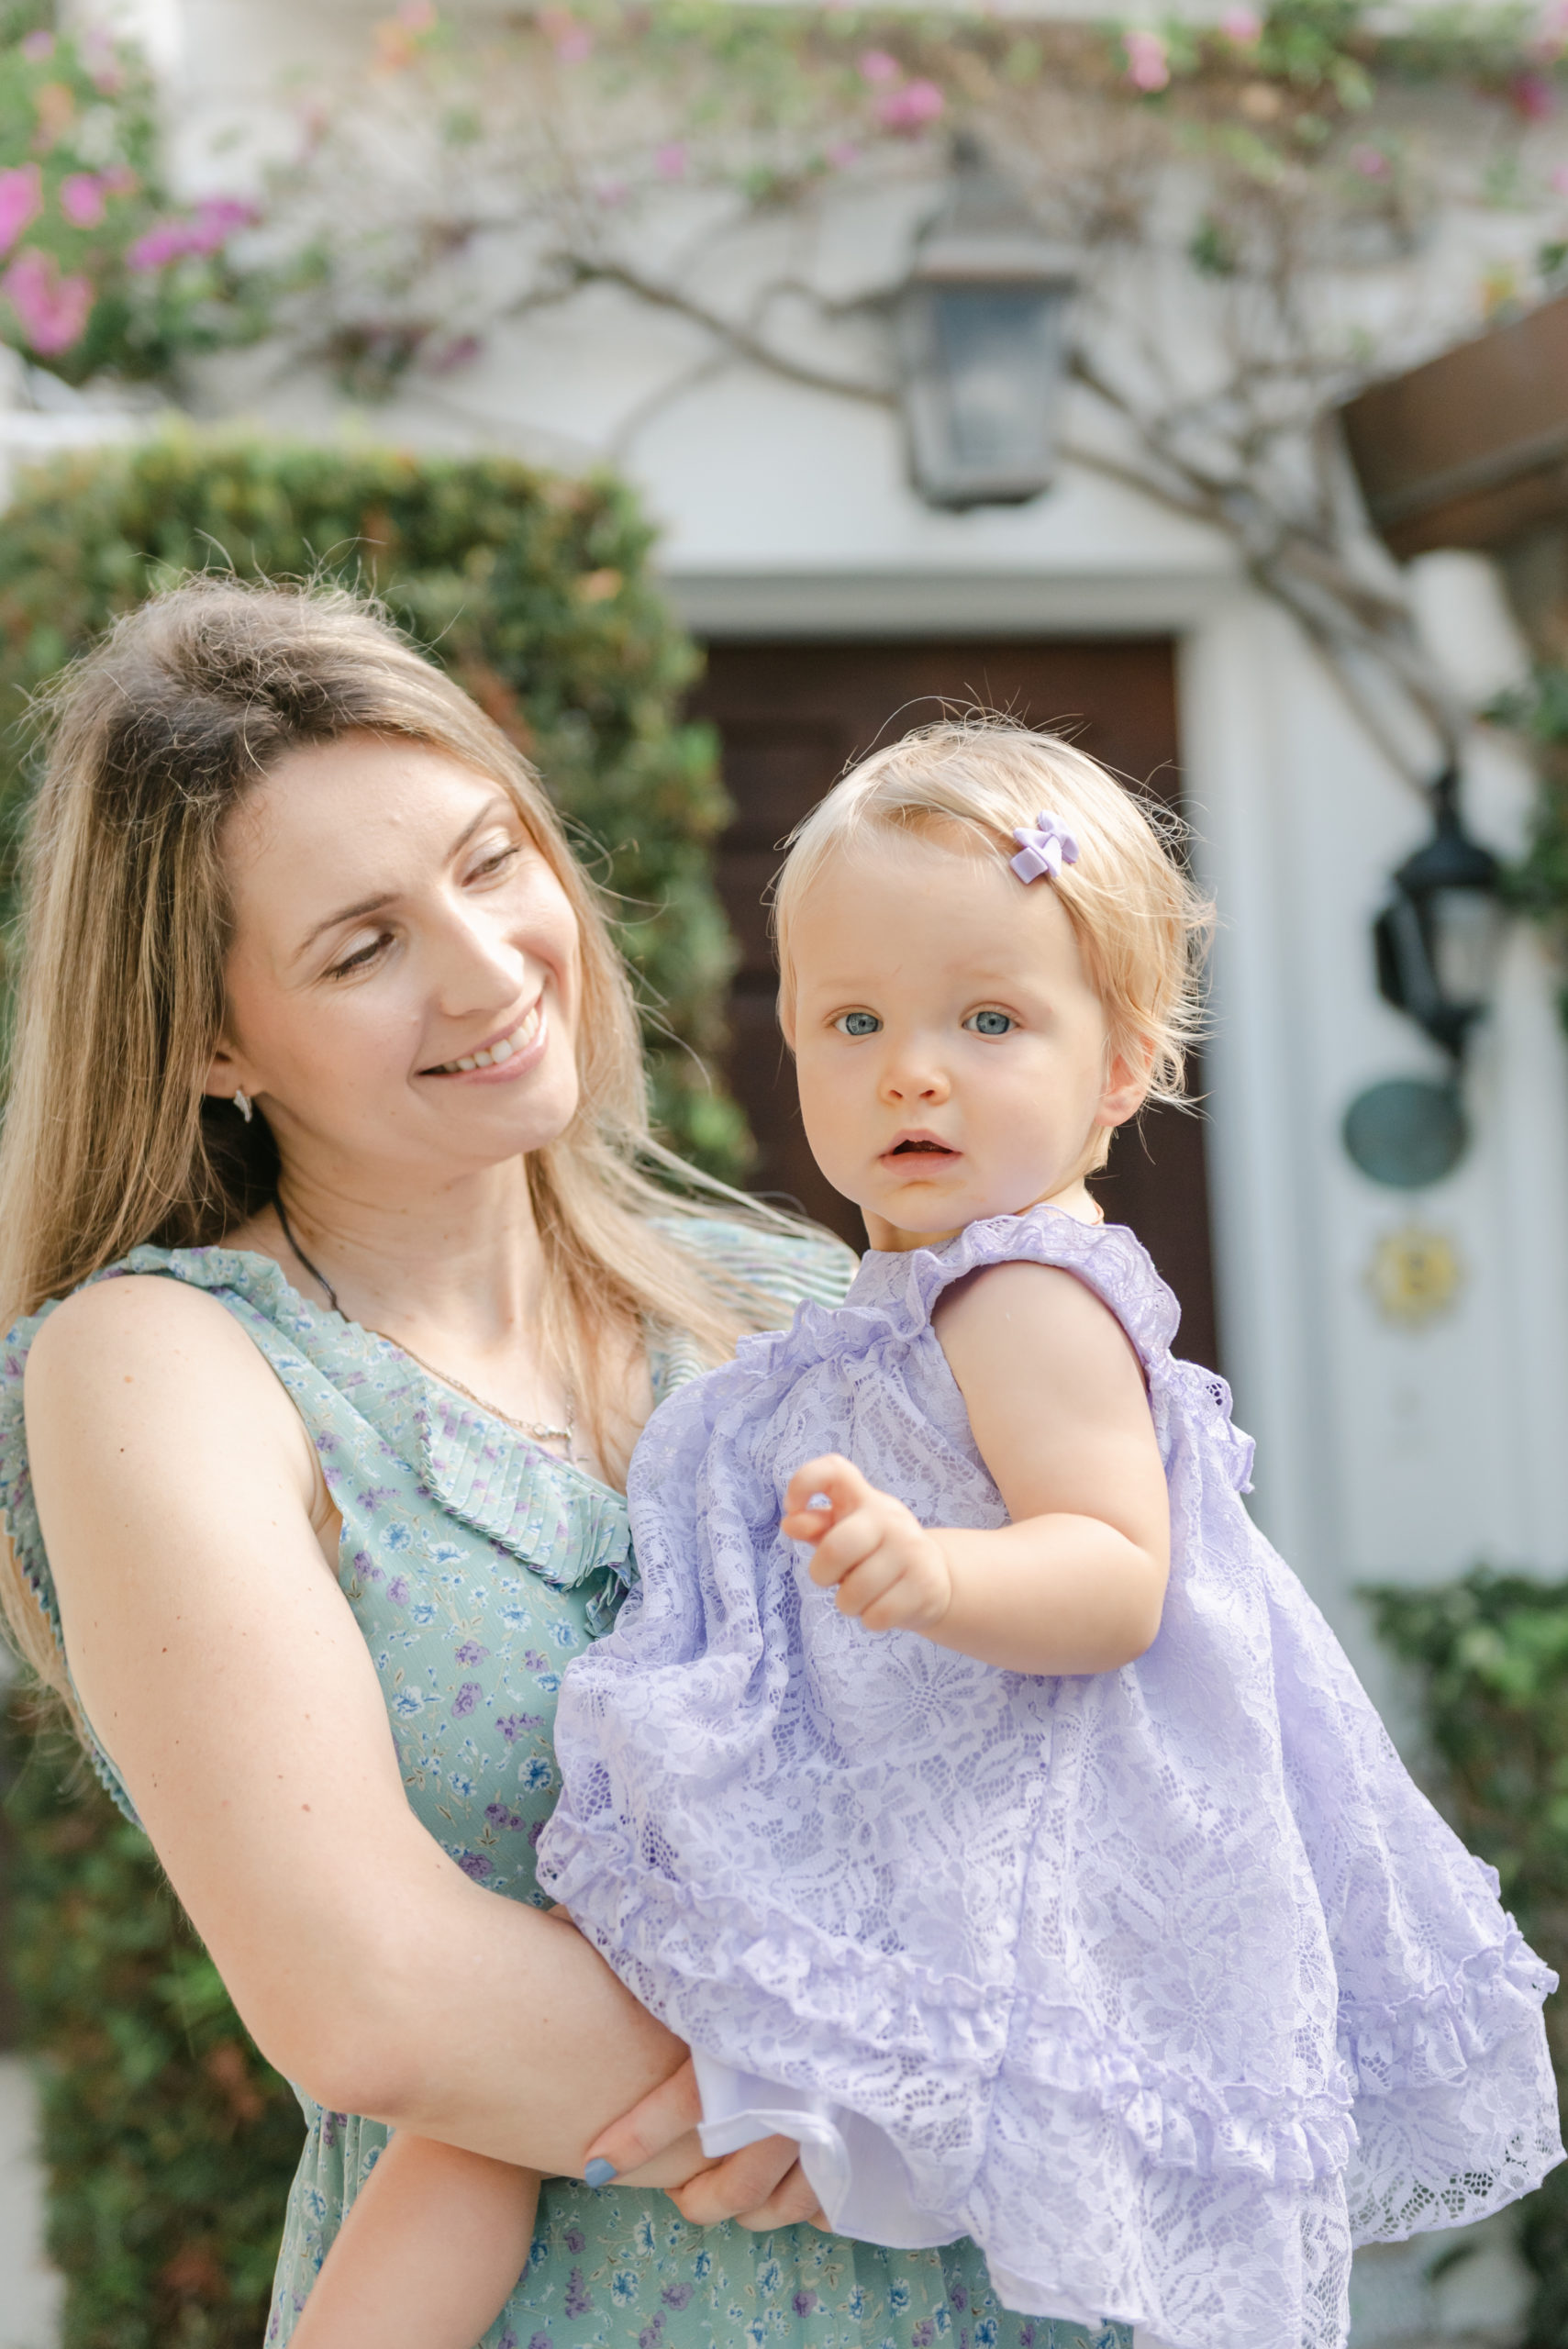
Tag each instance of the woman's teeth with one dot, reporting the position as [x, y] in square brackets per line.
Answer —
[494, 1055]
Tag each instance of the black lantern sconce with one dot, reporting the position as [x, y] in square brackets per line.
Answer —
[982, 344]
[1438, 937]
[1437, 941]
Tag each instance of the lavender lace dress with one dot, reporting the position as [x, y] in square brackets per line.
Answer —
[1165, 1985]
[477, 1566]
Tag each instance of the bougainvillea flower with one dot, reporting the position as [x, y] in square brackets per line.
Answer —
[209, 230]
[82, 199]
[1243, 25]
[51, 310]
[1148, 59]
[1532, 96]
[911, 108]
[879, 68]
[21, 201]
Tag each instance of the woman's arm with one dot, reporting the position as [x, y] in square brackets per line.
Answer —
[225, 1673]
[1060, 1415]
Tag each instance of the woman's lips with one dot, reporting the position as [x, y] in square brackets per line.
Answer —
[506, 1057]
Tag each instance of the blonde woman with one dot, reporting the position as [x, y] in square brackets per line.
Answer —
[323, 1052]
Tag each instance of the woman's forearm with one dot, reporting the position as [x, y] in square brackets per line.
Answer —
[488, 2024]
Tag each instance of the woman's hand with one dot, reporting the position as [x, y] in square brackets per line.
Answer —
[656, 2143]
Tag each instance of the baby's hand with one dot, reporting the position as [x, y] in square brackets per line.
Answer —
[889, 1571]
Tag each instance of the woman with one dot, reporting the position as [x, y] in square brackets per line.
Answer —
[323, 1049]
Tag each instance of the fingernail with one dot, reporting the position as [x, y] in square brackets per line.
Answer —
[599, 2172]
[819, 1500]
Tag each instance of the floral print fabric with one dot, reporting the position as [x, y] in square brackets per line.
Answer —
[477, 1566]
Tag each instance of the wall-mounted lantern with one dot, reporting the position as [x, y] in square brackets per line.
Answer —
[1436, 942]
[1438, 937]
[981, 323]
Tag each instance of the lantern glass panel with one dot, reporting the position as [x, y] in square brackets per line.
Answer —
[996, 354]
[1465, 927]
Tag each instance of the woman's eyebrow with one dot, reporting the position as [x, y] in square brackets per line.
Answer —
[374, 905]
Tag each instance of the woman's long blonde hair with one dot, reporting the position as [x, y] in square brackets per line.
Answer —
[154, 737]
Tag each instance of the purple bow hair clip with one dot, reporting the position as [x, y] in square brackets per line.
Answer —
[1045, 849]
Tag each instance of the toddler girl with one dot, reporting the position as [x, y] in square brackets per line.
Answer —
[968, 1781]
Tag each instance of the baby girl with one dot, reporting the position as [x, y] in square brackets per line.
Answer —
[968, 1782]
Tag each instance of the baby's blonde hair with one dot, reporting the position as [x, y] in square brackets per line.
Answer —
[1142, 926]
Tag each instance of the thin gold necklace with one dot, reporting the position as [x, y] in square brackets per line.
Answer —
[536, 1428]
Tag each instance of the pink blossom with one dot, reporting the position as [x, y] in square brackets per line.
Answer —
[610, 192]
[21, 201]
[37, 47]
[416, 16]
[1243, 25]
[214, 221]
[670, 161]
[99, 56]
[1558, 180]
[912, 109]
[118, 180]
[879, 69]
[51, 310]
[1371, 162]
[571, 41]
[842, 154]
[1533, 97]
[82, 199]
[1148, 59]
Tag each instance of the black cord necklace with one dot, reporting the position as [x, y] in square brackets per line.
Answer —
[538, 1430]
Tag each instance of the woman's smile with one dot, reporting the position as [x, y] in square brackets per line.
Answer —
[503, 1057]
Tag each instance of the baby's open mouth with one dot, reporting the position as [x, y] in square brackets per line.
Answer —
[936, 1148]
[500, 1050]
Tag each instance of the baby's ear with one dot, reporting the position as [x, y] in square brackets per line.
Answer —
[1127, 1081]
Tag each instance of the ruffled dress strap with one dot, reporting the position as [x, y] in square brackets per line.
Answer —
[904, 1289]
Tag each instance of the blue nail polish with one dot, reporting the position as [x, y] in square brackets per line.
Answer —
[599, 2173]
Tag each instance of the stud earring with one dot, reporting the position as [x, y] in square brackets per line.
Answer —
[242, 1103]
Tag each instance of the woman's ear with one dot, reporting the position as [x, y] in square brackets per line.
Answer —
[228, 1072]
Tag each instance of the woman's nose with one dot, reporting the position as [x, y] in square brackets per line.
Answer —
[478, 967]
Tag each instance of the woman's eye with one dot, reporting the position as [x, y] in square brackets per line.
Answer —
[858, 1023]
[990, 1023]
[360, 959]
[497, 861]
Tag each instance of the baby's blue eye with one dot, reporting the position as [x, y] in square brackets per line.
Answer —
[990, 1023]
[858, 1023]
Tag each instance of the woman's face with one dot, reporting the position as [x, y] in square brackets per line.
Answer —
[405, 983]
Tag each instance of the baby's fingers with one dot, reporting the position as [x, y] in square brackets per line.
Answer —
[840, 1552]
[830, 1480]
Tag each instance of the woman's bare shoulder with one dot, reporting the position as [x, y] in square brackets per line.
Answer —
[157, 1351]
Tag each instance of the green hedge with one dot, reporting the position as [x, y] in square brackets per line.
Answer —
[533, 591]
[169, 2142]
[1490, 1653]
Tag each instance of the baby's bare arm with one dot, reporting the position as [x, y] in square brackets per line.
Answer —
[1057, 1405]
[428, 2254]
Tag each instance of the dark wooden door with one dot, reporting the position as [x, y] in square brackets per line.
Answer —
[791, 718]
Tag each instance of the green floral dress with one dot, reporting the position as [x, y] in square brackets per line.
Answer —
[478, 1566]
